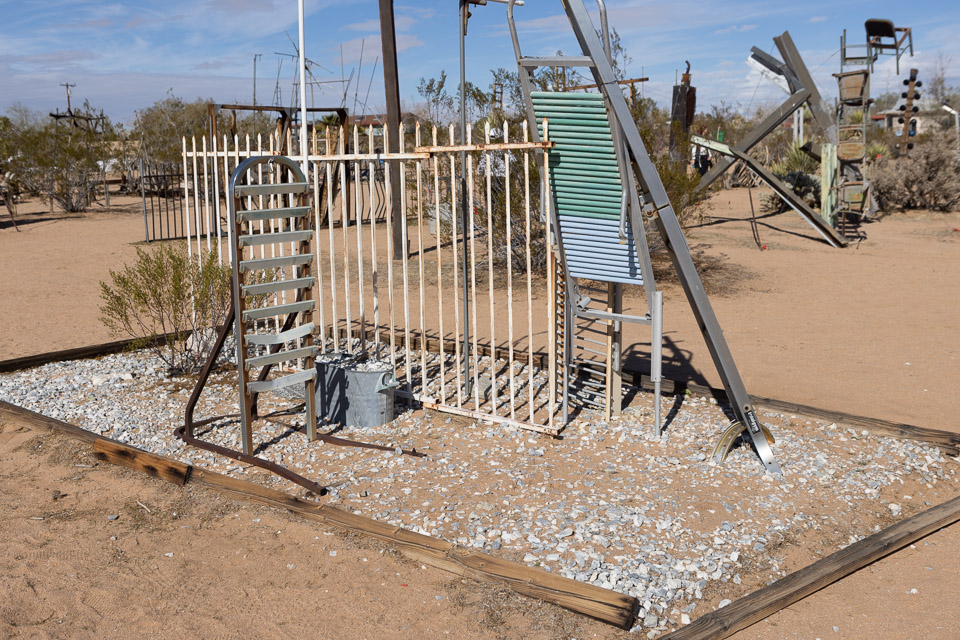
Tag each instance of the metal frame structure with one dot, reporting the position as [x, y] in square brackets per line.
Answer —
[572, 305]
[803, 91]
[652, 199]
[845, 197]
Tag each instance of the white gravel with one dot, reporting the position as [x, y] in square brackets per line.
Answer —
[609, 504]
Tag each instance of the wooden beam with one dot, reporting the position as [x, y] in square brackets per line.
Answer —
[77, 353]
[602, 604]
[798, 585]
[17, 415]
[140, 460]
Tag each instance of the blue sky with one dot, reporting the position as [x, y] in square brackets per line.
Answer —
[124, 56]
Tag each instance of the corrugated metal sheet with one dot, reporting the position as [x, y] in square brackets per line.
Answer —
[586, 187]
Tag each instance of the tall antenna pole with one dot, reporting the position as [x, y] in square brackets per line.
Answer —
[255, 56]
[303, 100]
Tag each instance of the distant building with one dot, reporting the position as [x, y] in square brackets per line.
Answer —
[890, 120]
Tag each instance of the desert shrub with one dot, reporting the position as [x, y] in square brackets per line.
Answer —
[929, 178]
[165, 292]
[61, 160]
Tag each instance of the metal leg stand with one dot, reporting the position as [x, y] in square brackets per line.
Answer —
[656, 355]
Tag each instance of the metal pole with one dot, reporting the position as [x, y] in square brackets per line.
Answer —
[143, 201]
[391, 88]
[255, 56]
[656, 356]
[303, 102]
[465, 216]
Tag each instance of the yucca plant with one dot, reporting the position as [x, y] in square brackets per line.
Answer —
[795, 160]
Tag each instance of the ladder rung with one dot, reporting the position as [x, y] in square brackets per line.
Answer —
[272, 263]
[286, 381]
[281, 356]
[272, 238]
[279, 338]
[277, 310]
[278, 285]
[268, 189]
[557, 61]
[269, 214]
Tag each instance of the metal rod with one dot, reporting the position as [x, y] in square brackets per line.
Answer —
[305, 166]
[490, 231]
[526, 207]
[473, 279]
[439, 234]
[374, 254]
[656, 356]
[461, 369]
[509, 234]
[334, 316]
[143, 202]
[420, 299]
[358, 217]
[464, 214]
[404, 263]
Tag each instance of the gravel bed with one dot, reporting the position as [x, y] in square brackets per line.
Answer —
[609, 504]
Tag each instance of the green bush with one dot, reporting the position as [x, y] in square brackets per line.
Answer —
[165, 292]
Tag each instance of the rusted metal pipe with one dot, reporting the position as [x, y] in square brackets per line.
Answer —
[188, 435]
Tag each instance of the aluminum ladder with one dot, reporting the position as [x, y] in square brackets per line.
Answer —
[652, 199]
[273, 289]
[598, 235]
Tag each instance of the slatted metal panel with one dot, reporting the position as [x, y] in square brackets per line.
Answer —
[586, 187]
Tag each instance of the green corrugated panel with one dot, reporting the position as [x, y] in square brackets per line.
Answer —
[587, 201]
[584, 174]
[555, 95]
[573, 128]
[587, 114]
[593, 142]
[583, 152]
[599, 173]
[572, 121]
[590, 196]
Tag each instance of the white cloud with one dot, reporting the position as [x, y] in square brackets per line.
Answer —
[816, 19]
[738, 28]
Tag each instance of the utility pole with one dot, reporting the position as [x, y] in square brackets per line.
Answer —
[255, 56]
[68, 86]
[391, 141]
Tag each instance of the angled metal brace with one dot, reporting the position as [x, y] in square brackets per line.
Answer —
[670, 230]
[773, 120]
[819, 108]
[826, 231]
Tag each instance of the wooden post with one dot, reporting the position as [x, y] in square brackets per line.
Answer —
[391, 90]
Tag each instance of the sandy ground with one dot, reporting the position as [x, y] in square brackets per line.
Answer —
[869, 330]
[188, 563]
